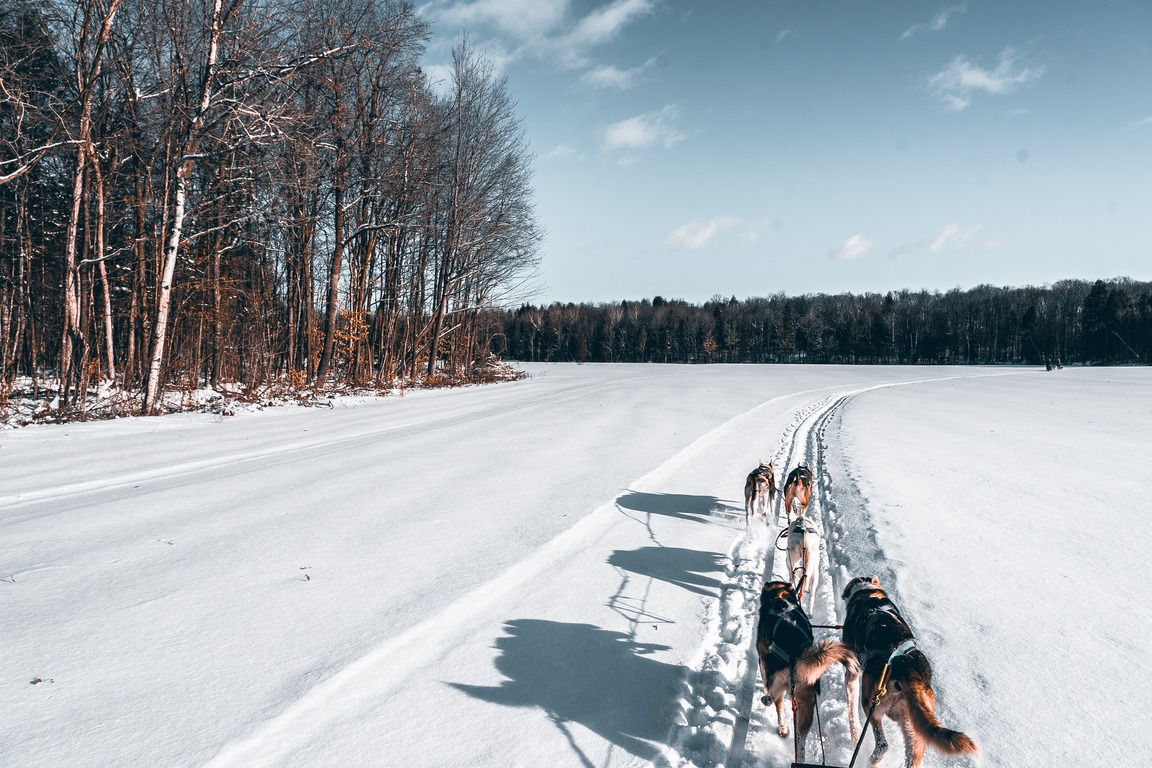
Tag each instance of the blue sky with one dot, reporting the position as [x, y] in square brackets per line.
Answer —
[687, 149]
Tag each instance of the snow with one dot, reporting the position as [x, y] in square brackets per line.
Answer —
[556, 571]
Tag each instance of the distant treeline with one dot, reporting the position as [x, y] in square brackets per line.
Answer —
[1071, 321]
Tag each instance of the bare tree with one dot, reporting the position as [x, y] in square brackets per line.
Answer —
[490, 232]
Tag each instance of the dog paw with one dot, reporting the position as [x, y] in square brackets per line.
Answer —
[782, 730]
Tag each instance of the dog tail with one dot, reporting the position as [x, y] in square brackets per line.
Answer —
[816, 659]
[927, 728]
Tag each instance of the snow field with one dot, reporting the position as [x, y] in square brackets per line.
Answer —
[557, 571]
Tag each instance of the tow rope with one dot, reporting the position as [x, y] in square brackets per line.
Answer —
[881, 692]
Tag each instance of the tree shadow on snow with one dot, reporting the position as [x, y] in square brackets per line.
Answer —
[683, 506]
[675, 565]
[579, 673]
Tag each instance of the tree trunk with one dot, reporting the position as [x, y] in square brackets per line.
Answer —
[333, 291]
[164, 299]
[183, 173]
[106, 293]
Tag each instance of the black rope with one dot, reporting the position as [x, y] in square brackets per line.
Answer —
[795, 730]
[783, 534]
[864, 730]
[820, 730]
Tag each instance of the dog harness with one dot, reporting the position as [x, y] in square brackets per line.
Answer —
[801, 625]
[873, 617]
[803, 524]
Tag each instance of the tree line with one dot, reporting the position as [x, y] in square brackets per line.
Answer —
[1071, 321]
[266, 192]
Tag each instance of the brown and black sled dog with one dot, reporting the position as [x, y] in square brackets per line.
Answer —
[789, 659]
[759, 490]
[798, 491]
[876, 631]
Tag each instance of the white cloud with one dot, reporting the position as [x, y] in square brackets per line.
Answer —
[547, 30]
[953, 237]
[786, 34]
[698, 234]
[562, 150]
[643, 131]
[439, 78]
[854, 248]
[608, 76]
[1145, 121]
[956, 83]
[520, 18]
[939, 21]
[603, 24]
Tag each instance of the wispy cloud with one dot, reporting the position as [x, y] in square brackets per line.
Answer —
[603, 24]
[785, 34]
[1145, 121]
[519, 18]
[698, 234]
[855, 247]
[953, 237]
[643, 131]
[608, 76]
[957, 82]
[939, 21]
[549, 30]
[562, 150]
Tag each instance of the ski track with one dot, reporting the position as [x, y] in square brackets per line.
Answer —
[722, 722]
[295, 450]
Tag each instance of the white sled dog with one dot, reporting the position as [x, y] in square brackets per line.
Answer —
[804, 560]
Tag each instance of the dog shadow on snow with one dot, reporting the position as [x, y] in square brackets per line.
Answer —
[580, 673]
[683, 567]
[683, 506]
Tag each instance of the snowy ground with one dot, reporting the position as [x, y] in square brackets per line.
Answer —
[556, 571]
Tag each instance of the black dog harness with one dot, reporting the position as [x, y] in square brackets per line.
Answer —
[788, 648]
[803, 525]
[887, 611]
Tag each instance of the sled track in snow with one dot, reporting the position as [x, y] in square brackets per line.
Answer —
[723, 720]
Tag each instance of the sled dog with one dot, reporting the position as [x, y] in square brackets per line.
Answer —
[876, 631]
[759, 489]
[804, 559]
[798, 491]
[790, 660]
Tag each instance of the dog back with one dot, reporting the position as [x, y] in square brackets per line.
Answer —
[784, 629]
[873, 627]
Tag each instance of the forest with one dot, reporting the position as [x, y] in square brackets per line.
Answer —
[255, 193]
[1071, 321]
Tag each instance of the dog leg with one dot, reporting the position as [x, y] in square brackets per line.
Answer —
[781, 726]
[851, 685]
[811, 575]
[914, 743]
[881, 742]
[805, 708]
